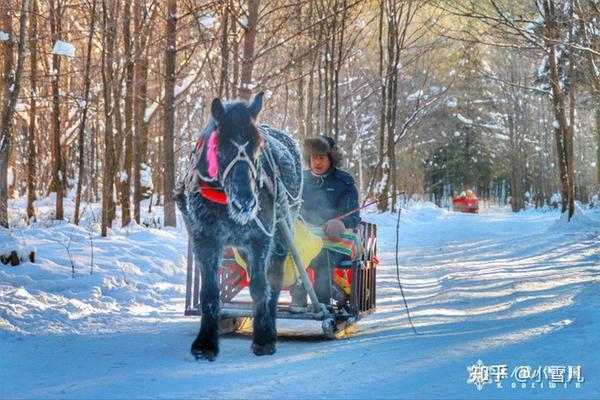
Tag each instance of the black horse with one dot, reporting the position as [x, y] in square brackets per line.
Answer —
[244, 179]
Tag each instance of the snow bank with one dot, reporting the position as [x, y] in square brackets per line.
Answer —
[8, 244]
[423, 211]
[581, 220]
[412, 214]
[81, 281]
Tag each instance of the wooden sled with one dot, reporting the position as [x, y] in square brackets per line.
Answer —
[337, 320]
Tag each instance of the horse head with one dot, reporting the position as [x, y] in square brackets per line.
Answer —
[233, 153]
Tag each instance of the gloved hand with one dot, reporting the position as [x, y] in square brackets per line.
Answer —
[334, 229]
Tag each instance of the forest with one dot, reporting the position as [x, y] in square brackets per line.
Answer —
[101, 101]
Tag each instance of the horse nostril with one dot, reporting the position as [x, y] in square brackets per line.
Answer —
[237, 204]
[244, 205]
[249, 205]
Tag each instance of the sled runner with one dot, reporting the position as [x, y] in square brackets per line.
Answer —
[352, 286]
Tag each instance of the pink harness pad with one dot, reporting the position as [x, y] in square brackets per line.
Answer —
[211, 155]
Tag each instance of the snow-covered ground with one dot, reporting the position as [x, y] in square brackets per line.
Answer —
[511, 290]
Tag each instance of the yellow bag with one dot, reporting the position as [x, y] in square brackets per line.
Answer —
[308, 245]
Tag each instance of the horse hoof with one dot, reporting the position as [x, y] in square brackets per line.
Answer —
[266, 349]
[201, 353]
[204, 355]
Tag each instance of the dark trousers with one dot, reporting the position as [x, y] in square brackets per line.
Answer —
[322, 265]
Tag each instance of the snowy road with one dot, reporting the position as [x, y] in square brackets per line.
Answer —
[507, 289]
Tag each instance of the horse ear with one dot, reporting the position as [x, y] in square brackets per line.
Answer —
[256, 105]
[217, 110]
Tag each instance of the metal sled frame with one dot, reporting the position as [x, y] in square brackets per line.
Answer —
[336, 323]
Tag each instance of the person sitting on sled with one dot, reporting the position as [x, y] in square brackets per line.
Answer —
[328, 193]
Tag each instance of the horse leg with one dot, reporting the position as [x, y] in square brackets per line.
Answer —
[275, 279]
[208, 254]
[264, 334]
[275, 274]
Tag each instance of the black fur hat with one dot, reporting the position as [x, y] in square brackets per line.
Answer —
[323, 145]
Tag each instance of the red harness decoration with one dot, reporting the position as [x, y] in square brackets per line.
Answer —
[206, 189]
[216, 195]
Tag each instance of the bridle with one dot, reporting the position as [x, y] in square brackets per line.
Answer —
[258, 174]
[211, 187]
[242, 156]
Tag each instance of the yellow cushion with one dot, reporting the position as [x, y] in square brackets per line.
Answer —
[308, 245]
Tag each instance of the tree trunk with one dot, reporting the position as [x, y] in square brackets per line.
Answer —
[235, 50]
[318, 96]
[169, 115]
[10, 94]
[570, 131]
[129, 69]
[117, 92]
[140, 96]
[57, 183]
[326, 69]
[300, 118]
[338, 68]
[31, 148]
[6, 121]
[95, 155]
[379, 173]
[86, 96]
[310, 93]
[308, 115]
[119, 137]
[109, 30]
[224, 75]
[248, 58]
[392, 103]
[6, 26]
[560, 126]
[598, 148]
[389, 109]
[516, 201]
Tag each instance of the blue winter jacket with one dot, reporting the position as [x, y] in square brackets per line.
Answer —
[329, 196]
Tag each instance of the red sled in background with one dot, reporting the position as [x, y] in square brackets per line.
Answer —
[466, 202]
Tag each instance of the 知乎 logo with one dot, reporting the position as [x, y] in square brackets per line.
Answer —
[479, 375]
